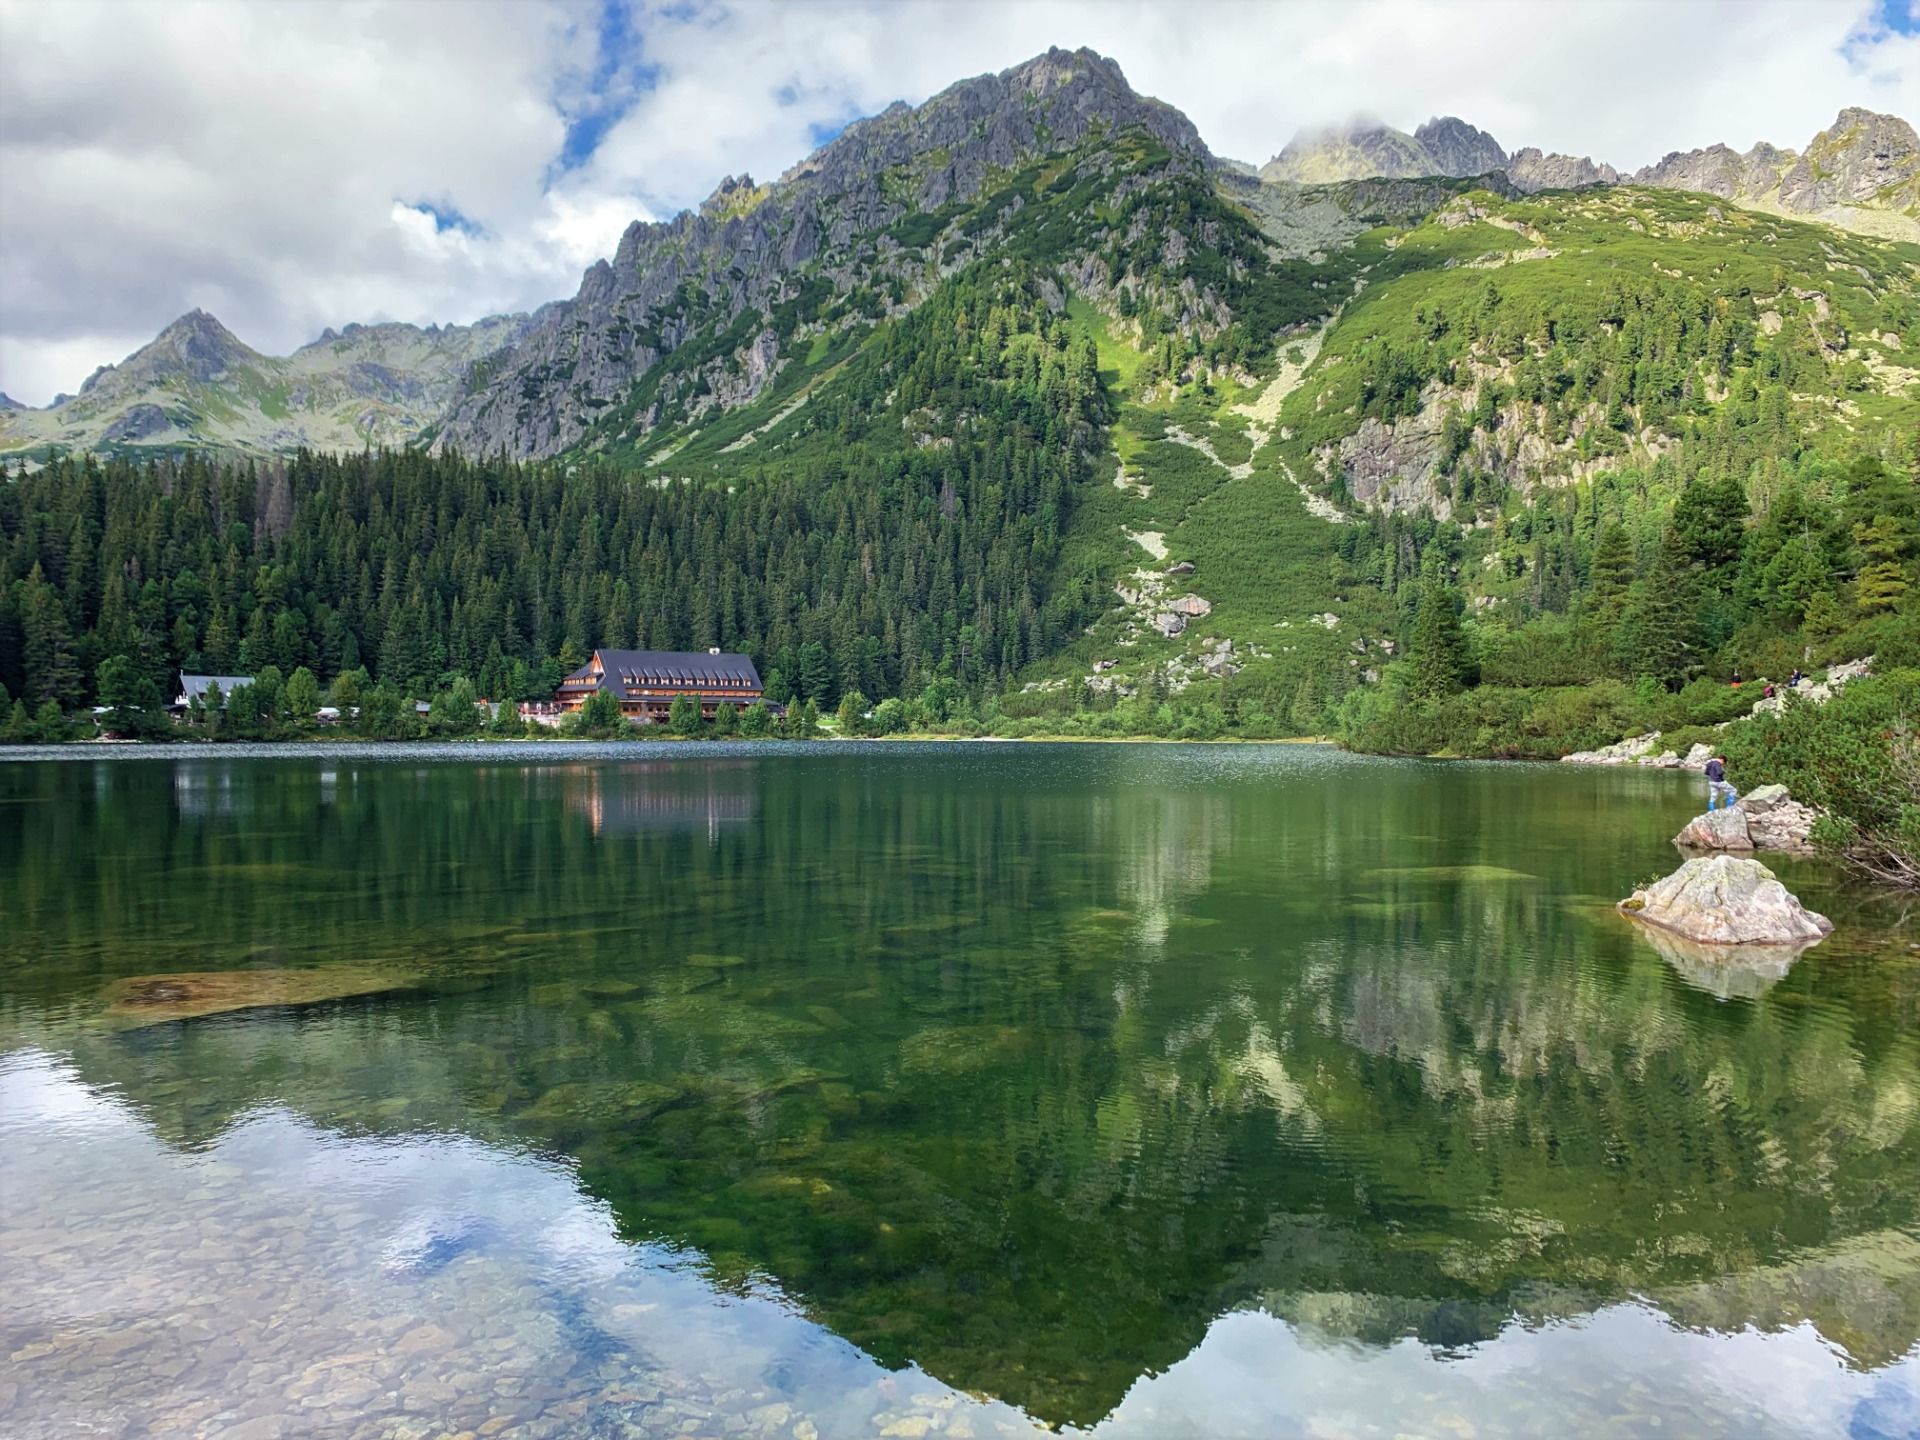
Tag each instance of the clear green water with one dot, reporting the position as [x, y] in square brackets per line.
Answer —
[942, 1090]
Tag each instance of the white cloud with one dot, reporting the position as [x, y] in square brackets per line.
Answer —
[270, 161]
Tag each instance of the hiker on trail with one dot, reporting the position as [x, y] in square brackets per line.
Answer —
[1767, 694]
[1795, 681]
[1717, 786]
[1736, 679]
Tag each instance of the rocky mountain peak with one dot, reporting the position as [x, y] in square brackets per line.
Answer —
[742, 248]
[1458, 148]
[196, 345]
[1361, 148]
[1861, 157]
[1366, 148]
[1863, 172]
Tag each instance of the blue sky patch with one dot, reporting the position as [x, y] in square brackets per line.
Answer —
[620, 75]
[1900, 16]
[447, 216]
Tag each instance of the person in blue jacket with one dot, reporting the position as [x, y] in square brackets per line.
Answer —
[1717, 786]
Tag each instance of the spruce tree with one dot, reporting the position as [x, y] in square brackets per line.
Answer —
[1439, 646]
[1660, 634]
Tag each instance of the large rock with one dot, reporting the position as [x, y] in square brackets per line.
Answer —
[1776, 821]
[1726, 900]
[1716, 830]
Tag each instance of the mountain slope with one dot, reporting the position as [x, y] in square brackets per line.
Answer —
[703, 311]
[196, 386]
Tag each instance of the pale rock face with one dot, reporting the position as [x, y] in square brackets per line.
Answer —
[1716, 830]
[1863, 173]
[1727, 900]
[1457, 148]
[1776, 821]
[1623, 752]
[1529, 170]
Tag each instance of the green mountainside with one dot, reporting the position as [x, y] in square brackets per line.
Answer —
[1021, 409]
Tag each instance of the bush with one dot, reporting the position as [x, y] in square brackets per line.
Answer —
[1858, 758]
[599, 717]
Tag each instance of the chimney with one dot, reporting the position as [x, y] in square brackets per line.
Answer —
[713, 650]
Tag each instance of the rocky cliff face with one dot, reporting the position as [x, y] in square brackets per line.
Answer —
[198, 385]
[1861, 173]
[1368, 149]
[757, 265]
[1457, 148]
[1530, 170]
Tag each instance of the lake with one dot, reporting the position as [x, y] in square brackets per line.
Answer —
[927, 1090]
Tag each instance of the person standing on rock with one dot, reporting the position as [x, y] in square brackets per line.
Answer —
[1717, 786]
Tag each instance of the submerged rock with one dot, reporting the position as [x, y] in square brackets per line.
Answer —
[1726, 900]
[154, 999]
[1716, 830]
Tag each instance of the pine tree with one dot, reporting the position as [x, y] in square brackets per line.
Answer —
[851, 717]
[1439, 647]
[51, 673]
[1660, 633]
[683, 716]
[1882, 581]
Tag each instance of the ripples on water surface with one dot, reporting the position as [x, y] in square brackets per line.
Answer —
[926, 1090]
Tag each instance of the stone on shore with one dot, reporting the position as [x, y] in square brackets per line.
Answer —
[1726, 900]
[1776, 821]
[1724, 829]
[1623, 752]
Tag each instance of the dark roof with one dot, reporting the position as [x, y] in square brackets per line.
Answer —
[671, 667]
[194, 687]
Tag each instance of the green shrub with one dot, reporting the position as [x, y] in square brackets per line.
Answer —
[1858, 758]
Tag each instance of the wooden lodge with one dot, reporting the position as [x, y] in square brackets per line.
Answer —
[649, 681]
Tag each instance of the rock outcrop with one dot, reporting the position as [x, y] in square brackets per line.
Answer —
[1457, 148]
[1530, 170]
[1716, 830]
[1861, 173]
[1776, 821]
[1622, 752]
[1767, 818]
[1726, 900]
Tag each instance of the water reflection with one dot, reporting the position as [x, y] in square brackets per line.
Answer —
[1027, 1075]
[387, 1287]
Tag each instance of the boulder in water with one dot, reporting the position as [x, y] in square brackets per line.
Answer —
[1726, 900]
[1716, 830]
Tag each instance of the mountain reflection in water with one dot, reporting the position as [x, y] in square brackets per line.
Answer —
[1246, 1091]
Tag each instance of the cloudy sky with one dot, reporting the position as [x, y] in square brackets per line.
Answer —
[294, 164]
